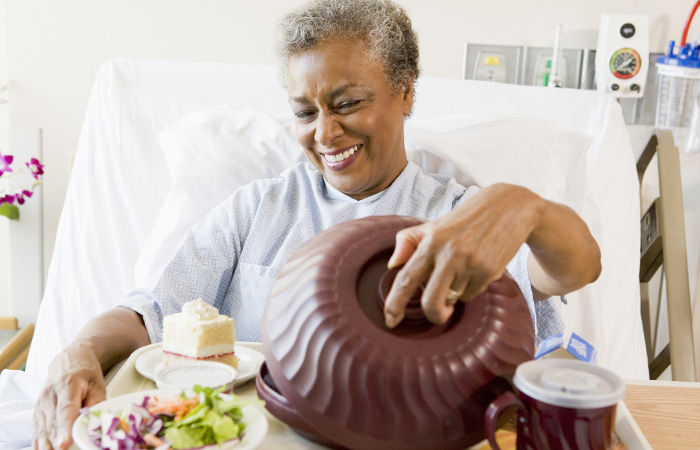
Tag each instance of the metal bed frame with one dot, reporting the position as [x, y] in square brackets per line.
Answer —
[663, 243]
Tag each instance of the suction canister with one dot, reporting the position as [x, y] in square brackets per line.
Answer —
[678, 84]
[678, 102]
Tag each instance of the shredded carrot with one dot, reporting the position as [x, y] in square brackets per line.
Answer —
[152, 440]
[176, 407]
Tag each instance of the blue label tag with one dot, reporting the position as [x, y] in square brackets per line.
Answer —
[581, 349]
[550, 344]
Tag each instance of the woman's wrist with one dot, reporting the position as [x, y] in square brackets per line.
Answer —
[112, 336]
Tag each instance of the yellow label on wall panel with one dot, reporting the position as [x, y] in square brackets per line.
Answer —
[492, 61]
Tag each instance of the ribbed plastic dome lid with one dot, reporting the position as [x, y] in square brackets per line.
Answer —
[362, 385]
[569, 383]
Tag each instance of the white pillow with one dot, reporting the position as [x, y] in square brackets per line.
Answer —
[510, 148]
[210, 154]
[213, 152]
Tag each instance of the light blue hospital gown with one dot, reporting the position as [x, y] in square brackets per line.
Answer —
[231, 258]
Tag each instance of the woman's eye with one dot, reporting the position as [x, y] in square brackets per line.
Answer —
[304, 115]
[348, 105]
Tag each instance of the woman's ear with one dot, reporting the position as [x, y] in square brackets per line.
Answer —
[407, 96]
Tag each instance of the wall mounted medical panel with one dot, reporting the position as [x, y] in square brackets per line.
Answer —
[499, 63]
[538, 62]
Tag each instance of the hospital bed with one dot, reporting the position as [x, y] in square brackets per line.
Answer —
[163, 142]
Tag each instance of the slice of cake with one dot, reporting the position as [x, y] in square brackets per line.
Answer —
[198, 333]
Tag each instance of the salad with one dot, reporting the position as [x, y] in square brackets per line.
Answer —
[183, 422]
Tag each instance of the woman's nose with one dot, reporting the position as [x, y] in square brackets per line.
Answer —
[327, 129]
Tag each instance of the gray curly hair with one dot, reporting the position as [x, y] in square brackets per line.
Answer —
[382, 24]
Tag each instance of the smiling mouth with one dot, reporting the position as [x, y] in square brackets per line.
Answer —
[341, 156]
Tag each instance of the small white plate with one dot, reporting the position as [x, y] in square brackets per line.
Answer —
[255, 430]
[204, 373]
[249, 362]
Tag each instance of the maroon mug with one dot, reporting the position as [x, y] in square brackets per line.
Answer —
[562, 405]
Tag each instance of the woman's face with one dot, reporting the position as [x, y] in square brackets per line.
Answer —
[348, 121]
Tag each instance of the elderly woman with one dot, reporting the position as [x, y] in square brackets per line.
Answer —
[350, 67]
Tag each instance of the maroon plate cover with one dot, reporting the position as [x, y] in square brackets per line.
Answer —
[357, 383]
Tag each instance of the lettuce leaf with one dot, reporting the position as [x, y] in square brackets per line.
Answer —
[213, 421]
[187, 437]
[223, 427]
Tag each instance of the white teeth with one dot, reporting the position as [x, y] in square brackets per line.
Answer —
[340, 156]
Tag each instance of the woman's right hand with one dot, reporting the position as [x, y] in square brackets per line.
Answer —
[74, 380]
[75, 377]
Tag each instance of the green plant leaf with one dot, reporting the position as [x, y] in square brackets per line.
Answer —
[9, 211]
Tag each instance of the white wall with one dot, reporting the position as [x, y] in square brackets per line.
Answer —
[4, 122]
[53, 49]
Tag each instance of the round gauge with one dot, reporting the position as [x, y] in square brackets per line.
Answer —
[625, 63]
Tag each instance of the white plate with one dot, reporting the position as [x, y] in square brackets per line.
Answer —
[249, 362]
[255, 430]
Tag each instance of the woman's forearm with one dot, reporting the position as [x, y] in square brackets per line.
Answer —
[564, 255]
[113, 336]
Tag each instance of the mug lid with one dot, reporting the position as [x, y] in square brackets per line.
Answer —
[569, 383]
[204, 373]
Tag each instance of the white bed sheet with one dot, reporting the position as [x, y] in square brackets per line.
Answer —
[120, 178]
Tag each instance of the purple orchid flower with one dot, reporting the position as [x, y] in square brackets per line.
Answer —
[5, 161]
[9, 199]
[36, 167]
[20, 196]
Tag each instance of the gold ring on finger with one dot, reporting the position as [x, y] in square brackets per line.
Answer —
[453, 296]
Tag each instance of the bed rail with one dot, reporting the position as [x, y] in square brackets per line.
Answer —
[664, 244]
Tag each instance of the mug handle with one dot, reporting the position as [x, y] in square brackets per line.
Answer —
[496, 407]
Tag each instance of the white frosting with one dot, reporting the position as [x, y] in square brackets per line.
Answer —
[199, 310]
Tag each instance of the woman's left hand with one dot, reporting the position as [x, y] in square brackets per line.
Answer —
[468, 248]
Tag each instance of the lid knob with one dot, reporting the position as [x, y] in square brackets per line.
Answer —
[414, 311]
